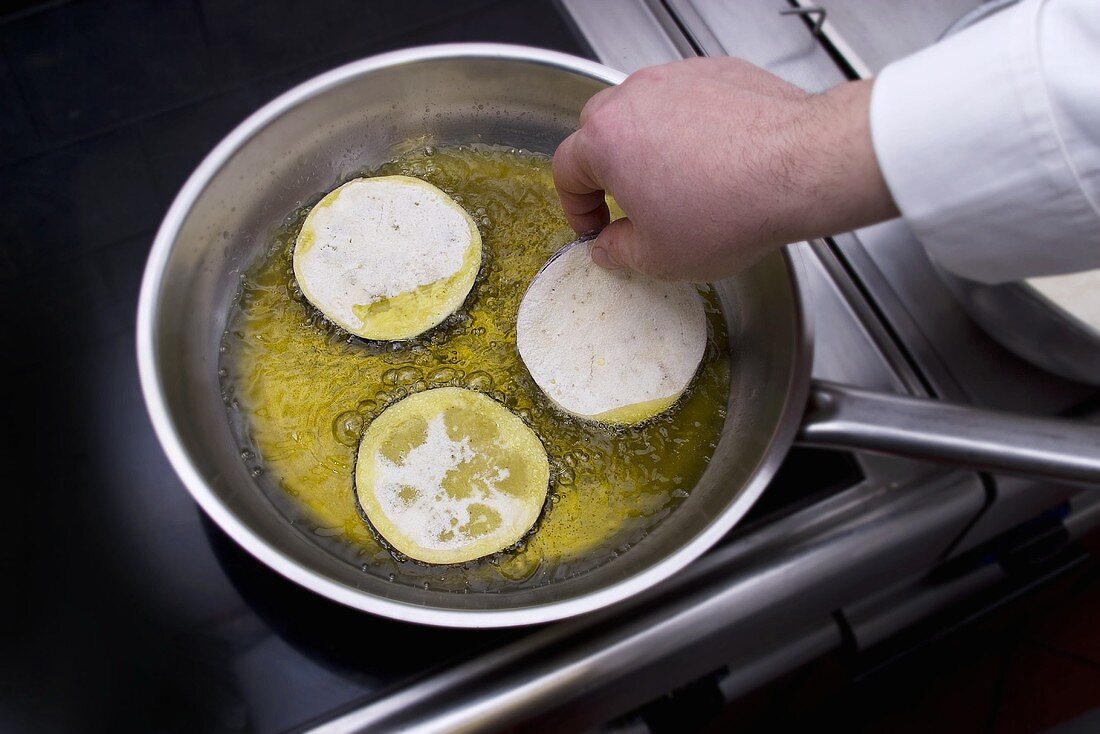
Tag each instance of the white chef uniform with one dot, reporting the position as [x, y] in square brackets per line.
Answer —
[990, 142]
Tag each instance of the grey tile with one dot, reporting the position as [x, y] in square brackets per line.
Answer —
[8, 271]
[69, 201]
[121, 266]
[247, 44]
[14, 8]
[177, 141]
[70, 303]
[507, 21]
[402, 16]
[422, 22]
[90, 66]
[18, 135]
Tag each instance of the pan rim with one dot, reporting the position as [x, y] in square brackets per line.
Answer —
[153, 390]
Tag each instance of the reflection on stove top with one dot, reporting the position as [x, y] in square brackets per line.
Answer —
[368, 649]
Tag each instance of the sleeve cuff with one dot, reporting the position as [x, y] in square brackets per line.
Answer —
[968, 147]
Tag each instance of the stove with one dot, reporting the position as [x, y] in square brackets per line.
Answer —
[845, 551]
[854, 563]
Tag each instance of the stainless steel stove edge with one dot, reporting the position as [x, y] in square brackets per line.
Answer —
[763, 603]
[741, 604]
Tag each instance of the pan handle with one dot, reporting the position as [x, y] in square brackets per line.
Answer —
[975, 438]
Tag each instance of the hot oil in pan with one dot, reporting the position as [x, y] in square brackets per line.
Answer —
[305, 389]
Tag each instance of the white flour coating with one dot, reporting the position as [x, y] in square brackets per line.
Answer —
[379, 238]
[595, 340]
[1076, 293]
[433, 513]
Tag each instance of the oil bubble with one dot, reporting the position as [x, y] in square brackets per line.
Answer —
[408, 374]
[443, 375]
[347, 428]
[518, 567]
[480, 381]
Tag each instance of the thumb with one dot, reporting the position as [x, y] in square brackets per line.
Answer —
[617, 246]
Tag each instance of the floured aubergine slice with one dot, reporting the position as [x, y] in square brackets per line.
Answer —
[387, 258]
[449, 475]
[613, 346]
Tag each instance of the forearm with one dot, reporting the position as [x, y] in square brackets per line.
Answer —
[842, 185]
[716, 163]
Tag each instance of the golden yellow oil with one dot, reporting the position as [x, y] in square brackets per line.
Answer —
[305, 390]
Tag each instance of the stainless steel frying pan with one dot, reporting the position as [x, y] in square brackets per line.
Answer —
[318, 134]
[1031, 326]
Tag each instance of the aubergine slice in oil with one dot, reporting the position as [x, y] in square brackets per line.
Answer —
[388, 257]
[449, 475]
[616, 347]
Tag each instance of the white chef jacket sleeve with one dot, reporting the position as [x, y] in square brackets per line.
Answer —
[990, 142]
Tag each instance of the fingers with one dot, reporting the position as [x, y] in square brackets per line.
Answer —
[617, 246]
[595, 102]
[580, 193]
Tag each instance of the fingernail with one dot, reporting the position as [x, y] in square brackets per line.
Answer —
[602, 257]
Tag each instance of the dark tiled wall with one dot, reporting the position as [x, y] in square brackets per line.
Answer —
[107, 105]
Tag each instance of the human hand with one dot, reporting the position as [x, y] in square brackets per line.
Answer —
[716, 162]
